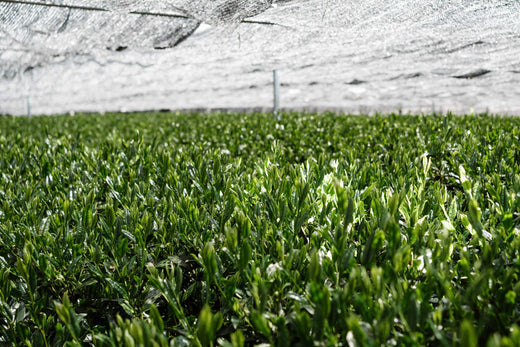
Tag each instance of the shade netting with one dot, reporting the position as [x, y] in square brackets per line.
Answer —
[352, 55]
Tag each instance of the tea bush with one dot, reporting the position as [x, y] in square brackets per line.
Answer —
[234, 230]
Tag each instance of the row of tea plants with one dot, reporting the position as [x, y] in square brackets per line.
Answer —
[238, 230]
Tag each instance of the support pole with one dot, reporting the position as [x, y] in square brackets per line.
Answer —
[28, 107]
[276, 95]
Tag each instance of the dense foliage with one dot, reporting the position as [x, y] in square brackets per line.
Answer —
[232, 230]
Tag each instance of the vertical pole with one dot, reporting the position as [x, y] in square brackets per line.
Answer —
[276, 95]
[28, 107]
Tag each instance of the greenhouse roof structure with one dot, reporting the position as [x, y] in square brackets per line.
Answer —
[359, 56]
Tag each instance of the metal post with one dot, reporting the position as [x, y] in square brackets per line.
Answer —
[28, 107]
[276, 96]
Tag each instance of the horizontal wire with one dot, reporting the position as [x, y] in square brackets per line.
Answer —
[100, 9]
[88, 8]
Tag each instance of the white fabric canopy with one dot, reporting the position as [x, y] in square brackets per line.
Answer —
[357, 56]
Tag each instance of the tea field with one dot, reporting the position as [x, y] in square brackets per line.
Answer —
[237, 230]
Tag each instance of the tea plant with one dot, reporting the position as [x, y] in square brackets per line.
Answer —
[235, 230]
